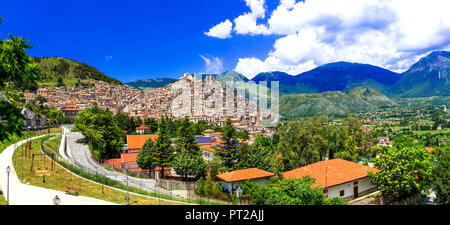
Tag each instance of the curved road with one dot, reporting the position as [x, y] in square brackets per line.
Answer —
[78, 152]
[24, 194]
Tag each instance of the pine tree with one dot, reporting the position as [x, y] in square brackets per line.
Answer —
[186, 139]
[163, 150]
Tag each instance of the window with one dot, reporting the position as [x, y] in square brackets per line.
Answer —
[355, 183]
[341, 193]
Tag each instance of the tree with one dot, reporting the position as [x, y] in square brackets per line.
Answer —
[152, 124]
[249, 188]
[60, 82]
[215, 166]
[101, 132]
[217, 190]
[186, 139]
[208, 185]
[16, 66]
[259, 155]
[403, 171]
[187, 164]
[296, 145]
[163, 150]
[228, 153]
[441, 176]
[291, 192]
[18, 69]
[146, 158]
[9, 111]
[200, 187]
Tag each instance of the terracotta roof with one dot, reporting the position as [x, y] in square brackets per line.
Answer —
[207, 148]
[244, 174]
[142, 127]
[339, 171]
[137, 141]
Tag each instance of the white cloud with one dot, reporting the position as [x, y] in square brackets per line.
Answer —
[390, 34]
[257, 8]
[221, 30]
[246, 24]
[213, 65]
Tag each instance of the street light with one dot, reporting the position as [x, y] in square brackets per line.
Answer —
[56, 200]
[7, 189]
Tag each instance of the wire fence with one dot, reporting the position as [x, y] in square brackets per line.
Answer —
[115, 179]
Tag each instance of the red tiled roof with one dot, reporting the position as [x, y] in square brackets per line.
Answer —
[244, 174]
[207, 148]
[142, 127]
[338, 171]
[137, 141]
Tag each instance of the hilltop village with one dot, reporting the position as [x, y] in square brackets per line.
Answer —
[156, 102]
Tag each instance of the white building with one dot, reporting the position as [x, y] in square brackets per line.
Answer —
[232, 180]
[338, 177]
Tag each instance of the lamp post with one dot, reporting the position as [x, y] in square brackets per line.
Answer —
[7, 187]
[56, 200]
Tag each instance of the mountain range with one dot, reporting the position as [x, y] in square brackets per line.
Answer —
[151, 83]
[430, 76]
[332, 89]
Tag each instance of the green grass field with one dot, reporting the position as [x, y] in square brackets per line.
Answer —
[59, 178]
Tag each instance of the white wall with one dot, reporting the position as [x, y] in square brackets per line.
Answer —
[227, 186]
[363, 185]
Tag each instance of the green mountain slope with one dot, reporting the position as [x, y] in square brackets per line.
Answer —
[430, 76]
[151, 83]
[333, 102]
[70, 71]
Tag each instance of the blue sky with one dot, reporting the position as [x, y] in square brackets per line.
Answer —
[131, 40]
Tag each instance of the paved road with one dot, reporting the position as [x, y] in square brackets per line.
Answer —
[23, 194]
[78, 152]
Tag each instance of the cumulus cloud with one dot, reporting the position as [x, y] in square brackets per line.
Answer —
[213, 65]
[390, 34]
[221, 30]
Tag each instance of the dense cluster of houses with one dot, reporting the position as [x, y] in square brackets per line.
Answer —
[159, 102]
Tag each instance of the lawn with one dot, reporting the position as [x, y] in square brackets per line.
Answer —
[2, 200]
[59, 178]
